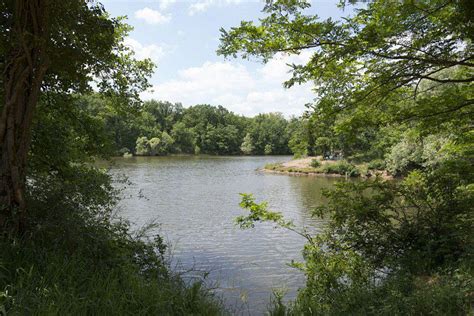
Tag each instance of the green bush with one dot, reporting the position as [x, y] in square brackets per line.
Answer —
[78, 259]
[389, 247]
[342, 167]
[315, 163]
[106, 271]
[154, 146]
[446, 293]
[377, 164]
[417, 152]
[123, 151]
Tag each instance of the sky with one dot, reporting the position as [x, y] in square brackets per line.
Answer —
[181, 37]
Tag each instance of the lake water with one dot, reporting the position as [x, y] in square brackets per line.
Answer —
[196, 200]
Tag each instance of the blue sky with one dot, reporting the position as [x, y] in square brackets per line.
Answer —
[181, 37]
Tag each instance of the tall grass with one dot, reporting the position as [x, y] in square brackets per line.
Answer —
[68, 265]
[446, 293]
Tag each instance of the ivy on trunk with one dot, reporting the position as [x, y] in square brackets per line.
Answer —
[26, 66]
[54, 48]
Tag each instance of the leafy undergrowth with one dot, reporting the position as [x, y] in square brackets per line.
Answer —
[388, 247]
[76, 265]
[445, 293]
[340, 168]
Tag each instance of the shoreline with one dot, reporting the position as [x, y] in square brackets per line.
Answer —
[324, 168]
[302, 174]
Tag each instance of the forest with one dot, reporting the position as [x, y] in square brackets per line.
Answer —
[161, 128]
[395, 89]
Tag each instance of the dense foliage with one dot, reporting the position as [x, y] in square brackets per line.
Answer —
[395, 89]
[50, 48]
[63, 251]
[160, 128]
[78, 257]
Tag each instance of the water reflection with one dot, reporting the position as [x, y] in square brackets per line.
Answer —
[196, 199]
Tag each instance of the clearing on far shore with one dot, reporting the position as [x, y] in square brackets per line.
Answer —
[317, 166]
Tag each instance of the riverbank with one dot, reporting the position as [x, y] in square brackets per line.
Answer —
[80, 264]
[244, 266]
[317, 166]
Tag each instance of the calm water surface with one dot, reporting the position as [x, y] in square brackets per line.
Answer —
[196, 200]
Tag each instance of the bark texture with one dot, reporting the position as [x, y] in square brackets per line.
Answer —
[25, 68]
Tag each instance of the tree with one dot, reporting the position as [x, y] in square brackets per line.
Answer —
[221, 140]
[301, 136]
[217, 130]
[391, 70]
[268, 149]
[247, 146]
[269, 129]
[374, 42]
[154, 145]
[164, 113]
[143, 146]
[376, 67]
[166, 144]
[183, 138]
[54, 47]
[417, 152]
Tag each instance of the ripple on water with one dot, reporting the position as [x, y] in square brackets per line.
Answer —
[196, 200]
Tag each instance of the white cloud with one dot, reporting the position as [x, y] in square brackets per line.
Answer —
[277, 68]
[153, 17]
[153, 51]
[165, 4]
[199, 6]
[237, 88]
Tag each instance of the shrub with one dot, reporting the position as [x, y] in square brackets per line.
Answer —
[77, 259]
[123, 151]
[166, 144]
[377, 164]
[416, 152]
[342, 167]
[389, 247]
[444, 294]
[315, 163]
[247, 146]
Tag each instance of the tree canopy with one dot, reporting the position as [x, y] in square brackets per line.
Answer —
[51, 50]
[394, 82]
[385, 54]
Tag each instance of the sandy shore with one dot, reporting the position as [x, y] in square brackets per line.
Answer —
[302, 167]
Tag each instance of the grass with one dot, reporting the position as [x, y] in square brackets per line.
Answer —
[279, 168]
[72, 266]
[448, 294]
[320, 167]
[315, 163]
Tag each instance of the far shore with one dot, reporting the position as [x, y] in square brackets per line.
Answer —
[324, 168]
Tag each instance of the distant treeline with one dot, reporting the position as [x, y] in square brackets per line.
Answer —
[161, 128]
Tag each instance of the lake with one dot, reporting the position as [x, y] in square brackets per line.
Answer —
[196, 198]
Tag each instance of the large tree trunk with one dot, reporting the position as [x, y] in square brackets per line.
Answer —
[23, 74]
